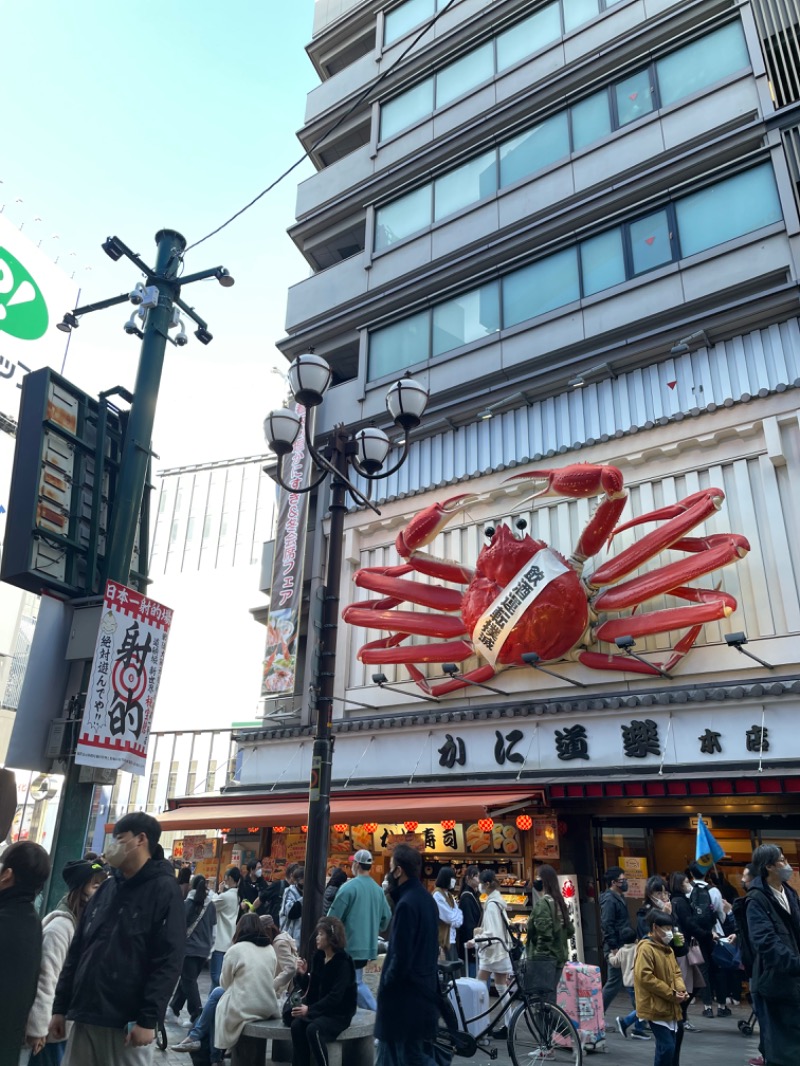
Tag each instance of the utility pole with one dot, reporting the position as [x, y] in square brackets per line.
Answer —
[159, 303]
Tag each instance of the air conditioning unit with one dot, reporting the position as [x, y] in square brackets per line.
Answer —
[62, 739]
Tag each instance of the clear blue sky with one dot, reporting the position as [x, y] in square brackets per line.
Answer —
[122, 119]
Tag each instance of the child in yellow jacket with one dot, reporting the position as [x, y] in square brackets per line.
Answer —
[659, 988]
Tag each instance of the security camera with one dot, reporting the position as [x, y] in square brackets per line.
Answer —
[130, 326]
[137, 295]
[182, 339]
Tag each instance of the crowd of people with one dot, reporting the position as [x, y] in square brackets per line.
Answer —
[91, 983]
[697, 938]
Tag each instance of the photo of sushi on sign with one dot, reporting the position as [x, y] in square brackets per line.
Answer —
[478, 840]
[505, 839]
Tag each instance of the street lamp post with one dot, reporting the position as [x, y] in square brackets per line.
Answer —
[366, 451]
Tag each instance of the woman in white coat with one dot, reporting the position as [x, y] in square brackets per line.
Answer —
[81, 876]
[493, 956]
[246, 992]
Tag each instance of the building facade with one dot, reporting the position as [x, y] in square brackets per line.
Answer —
[577, 223]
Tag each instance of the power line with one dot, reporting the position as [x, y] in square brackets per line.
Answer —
[343, 118]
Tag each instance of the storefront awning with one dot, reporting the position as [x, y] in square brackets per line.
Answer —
[239, 812]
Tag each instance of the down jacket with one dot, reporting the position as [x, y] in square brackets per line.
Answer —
[126, 955]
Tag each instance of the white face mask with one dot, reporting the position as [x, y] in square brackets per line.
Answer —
[452, 882]
[667, 935]
[116, 852]
[258, 871]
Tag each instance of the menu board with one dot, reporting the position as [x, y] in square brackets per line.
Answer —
[545, 838]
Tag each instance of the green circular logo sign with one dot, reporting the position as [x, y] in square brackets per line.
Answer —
[23, 312]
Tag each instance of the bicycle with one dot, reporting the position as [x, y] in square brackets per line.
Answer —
[538, 1031]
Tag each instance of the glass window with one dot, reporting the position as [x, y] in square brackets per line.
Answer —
[540, 287]
[591, 120]
[702, 63]
[459, 77]
[650, 241]
[400, 345]
[728, 209]
[466, 184]
[466, 318]
[407, 108]
[576, 12]
[534, 149]
[634, 96]
[602, 262]
[528, 36]
[407, 215]
[405, 17]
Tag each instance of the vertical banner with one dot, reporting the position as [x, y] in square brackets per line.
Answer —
[280, 654]
[127, 664]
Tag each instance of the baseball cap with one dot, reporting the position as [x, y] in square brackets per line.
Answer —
[78, 871]
[362, 857]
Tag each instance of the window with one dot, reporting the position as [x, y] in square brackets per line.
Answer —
[407, 108]
[634, 97]
[534, 149]
[401, 19]
[591, 120]
[152, 788]
[465, 185]
[602, 262]
[702, 63]
[738, 205]
[458, 78]
[403, 217]
[576, 12]
[541, 287]
[467, 318]
[651, 242]
[400, 345]
[528, 36]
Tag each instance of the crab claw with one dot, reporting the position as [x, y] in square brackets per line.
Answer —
[578, 480]
[426, 525]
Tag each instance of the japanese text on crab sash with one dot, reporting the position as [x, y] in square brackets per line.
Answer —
[495, 624]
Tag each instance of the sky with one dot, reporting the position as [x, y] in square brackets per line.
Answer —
[125, 119]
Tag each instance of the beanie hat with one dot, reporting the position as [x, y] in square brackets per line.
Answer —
[78, 871]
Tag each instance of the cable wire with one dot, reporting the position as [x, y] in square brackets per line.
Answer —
[343, 118]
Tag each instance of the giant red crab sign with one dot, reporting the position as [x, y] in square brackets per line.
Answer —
[524, 596]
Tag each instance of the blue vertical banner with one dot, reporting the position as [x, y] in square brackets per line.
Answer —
[707, 850]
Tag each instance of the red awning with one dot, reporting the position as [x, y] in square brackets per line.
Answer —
[240, 812]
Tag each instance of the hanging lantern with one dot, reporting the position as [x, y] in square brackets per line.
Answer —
[340, 827]
[303, 828]
[279, 829]
[485, 825]
[370, 827]
[524, 821]
[410, 826]
[448, 823]
[224, 830]
[253, 829]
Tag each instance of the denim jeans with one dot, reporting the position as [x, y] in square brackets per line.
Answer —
[203, 1028]
[50, 1055]
[364, 996]
[632, 1018]
[404, 1053]
[215, 967]
[665, 1044]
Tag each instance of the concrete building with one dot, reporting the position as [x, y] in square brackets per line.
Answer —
[577, 223]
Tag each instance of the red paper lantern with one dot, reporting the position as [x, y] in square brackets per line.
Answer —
[485, 824]
[303, 828]
[448, 823]
[410, 826]
[524, 821]
[279, 829]
[340, 827]
[253, 829]
[224, 830]
[370, 827]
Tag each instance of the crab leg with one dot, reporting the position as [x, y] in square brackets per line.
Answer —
[729, 549]
[384, 580]
[600, 661]
[386, 651]
[642, 625]
[426, 625]
[441, 688]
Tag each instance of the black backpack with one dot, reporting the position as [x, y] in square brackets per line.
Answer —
[703, 913]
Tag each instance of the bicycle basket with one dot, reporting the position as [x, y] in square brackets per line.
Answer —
[539, 975]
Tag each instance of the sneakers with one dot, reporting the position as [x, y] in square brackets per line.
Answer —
[757, 1061]
[723, 1012]
[640, 1034]
[708, 1012]
[622, 1027]
[187, 1044]
[689, 1028]
[501, 1033]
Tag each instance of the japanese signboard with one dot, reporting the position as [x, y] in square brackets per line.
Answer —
[126, 669]
[198, 847]
[280, 654]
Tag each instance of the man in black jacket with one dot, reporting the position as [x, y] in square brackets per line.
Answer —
[126, 954]
[408, 1012]
[24, 868]
[614, 918]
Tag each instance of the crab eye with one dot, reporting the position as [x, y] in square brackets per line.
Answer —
[489, 531]
[521, 524]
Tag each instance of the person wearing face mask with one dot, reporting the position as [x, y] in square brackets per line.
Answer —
[251, 887]
[362, 907]
[614, 920]
[469, 902]
[24, 868]
[772, 917]
[656, 896]
[450, 915]
[659, 988]
[550, 926]
[291, 912]
[746, 951]
[126, 954]
[82, 879]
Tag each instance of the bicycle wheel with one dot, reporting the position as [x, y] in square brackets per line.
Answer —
[541, 1032]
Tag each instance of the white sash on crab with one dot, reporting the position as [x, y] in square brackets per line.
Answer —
[495, 624]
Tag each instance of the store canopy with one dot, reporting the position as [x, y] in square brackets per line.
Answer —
[240, 812]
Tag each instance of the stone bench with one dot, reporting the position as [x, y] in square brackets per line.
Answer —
[354, 1047]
